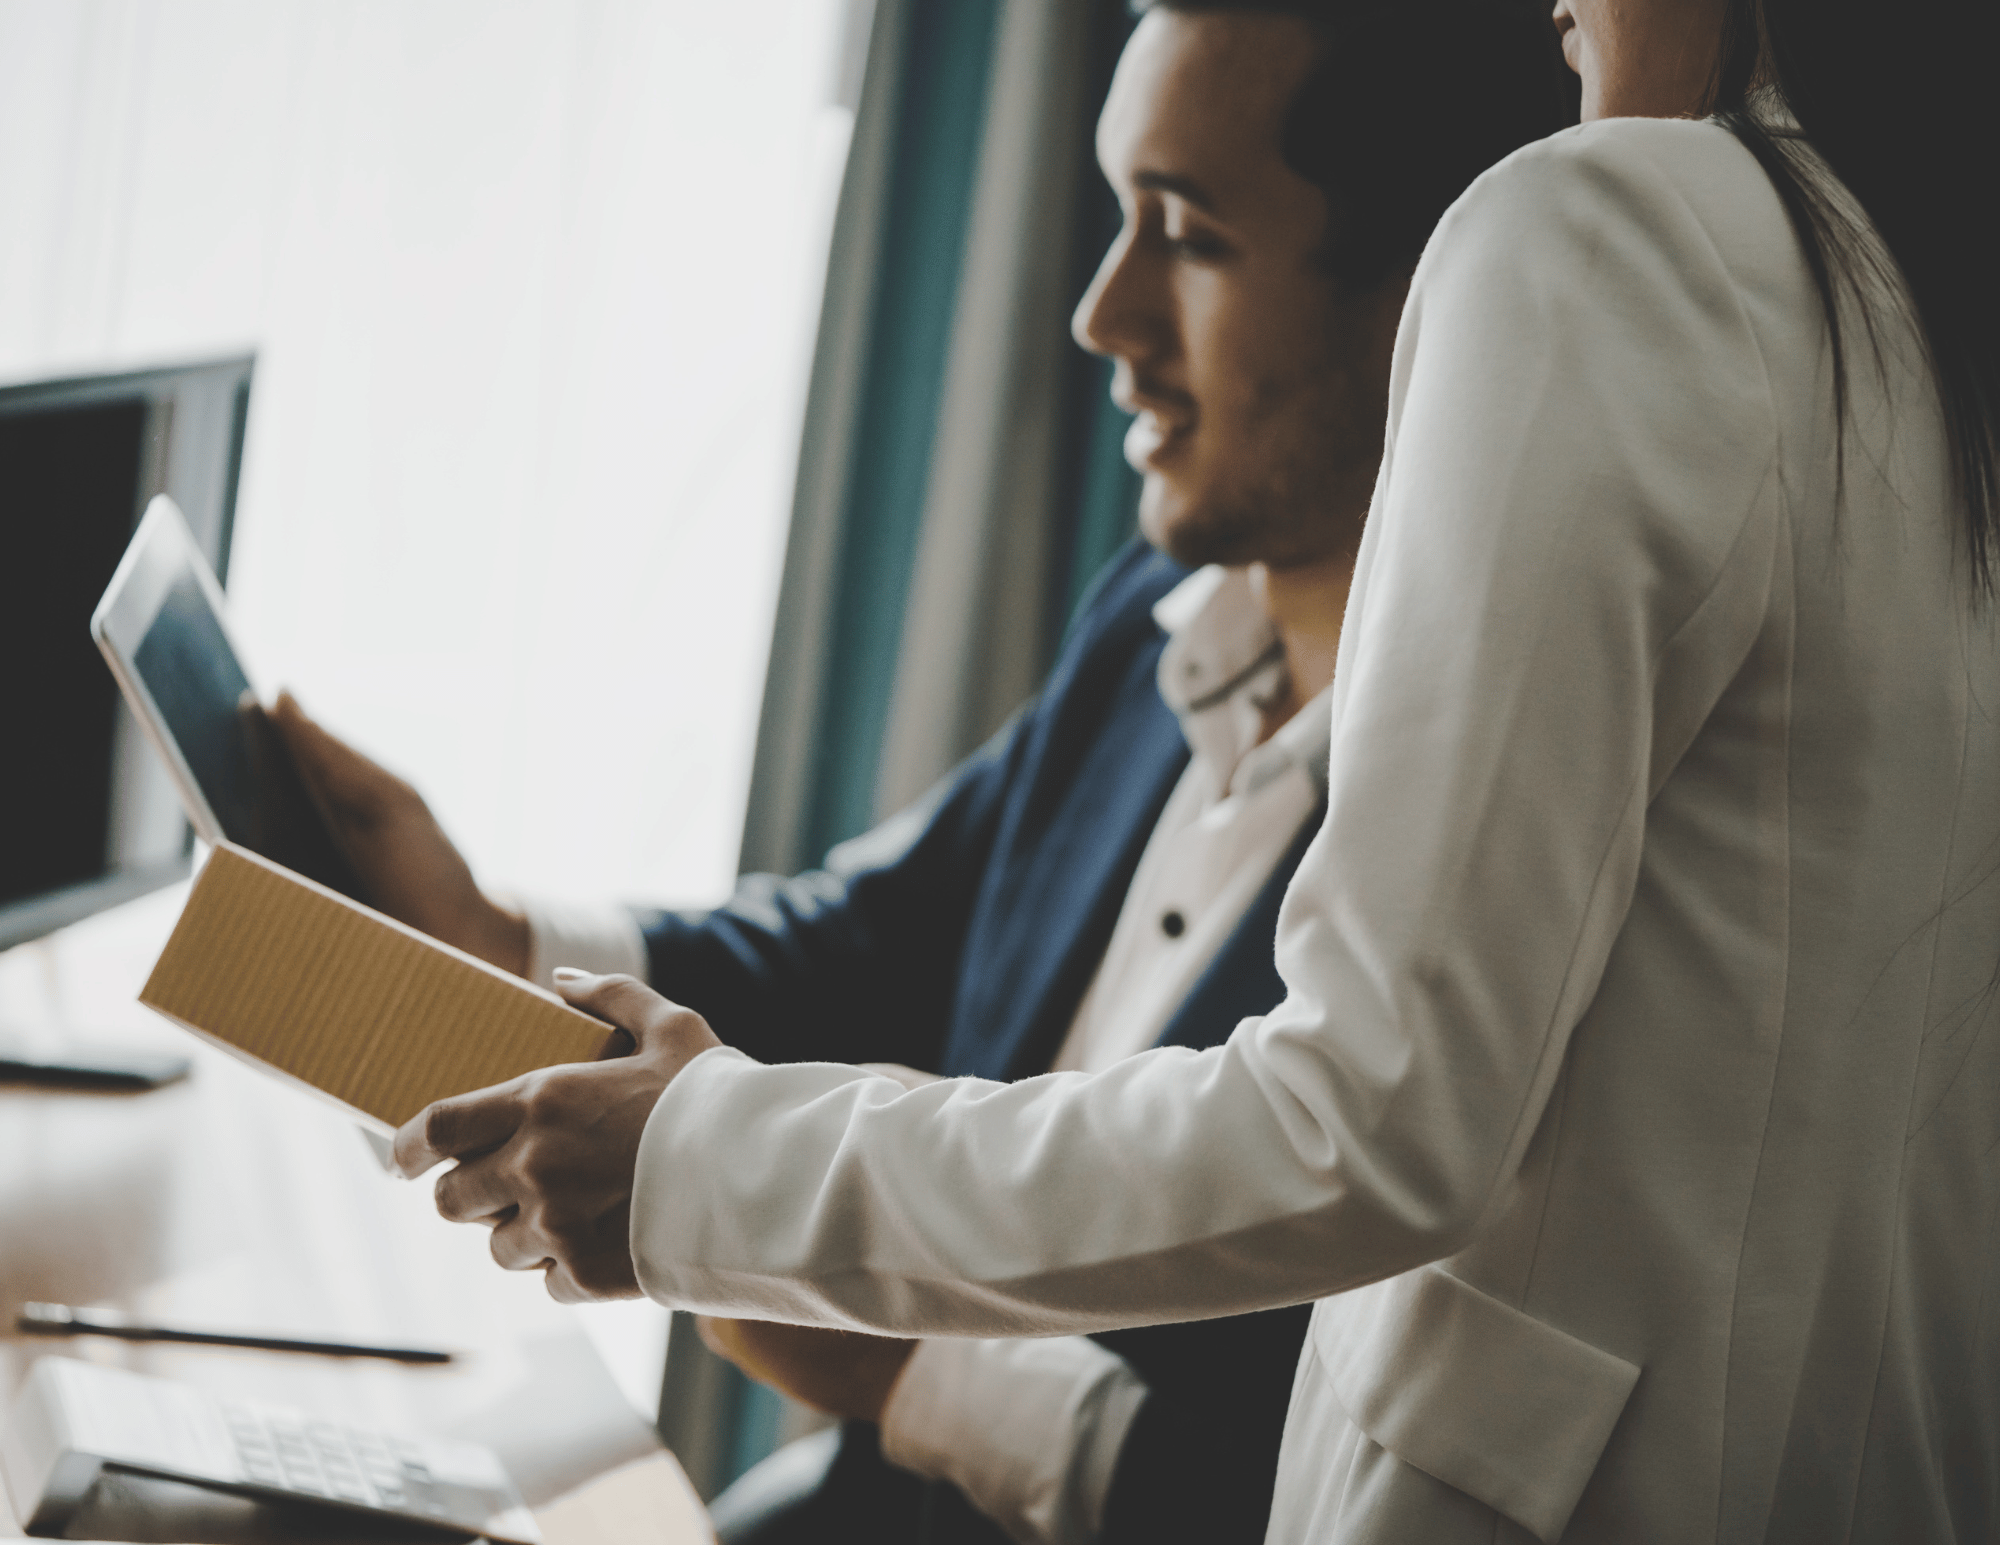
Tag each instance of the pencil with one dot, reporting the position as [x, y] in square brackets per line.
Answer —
[62, 1320]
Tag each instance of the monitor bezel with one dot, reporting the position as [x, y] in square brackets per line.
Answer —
[33, 917]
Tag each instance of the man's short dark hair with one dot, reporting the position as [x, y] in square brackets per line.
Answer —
[1409, 102]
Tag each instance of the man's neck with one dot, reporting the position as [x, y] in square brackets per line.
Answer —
[1306, 604]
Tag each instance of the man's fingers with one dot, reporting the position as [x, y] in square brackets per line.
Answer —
[317, 754]
[332, 769]
[451, 1129]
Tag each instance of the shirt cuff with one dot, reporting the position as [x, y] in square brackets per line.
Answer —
[1029, 1430]
[601, 939]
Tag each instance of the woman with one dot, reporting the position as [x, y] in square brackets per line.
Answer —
[1633, 1113]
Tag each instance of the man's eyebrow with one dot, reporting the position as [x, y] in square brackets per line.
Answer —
[1181, 187]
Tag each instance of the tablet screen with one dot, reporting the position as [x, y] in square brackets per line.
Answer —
[189, 668]
[235, 753]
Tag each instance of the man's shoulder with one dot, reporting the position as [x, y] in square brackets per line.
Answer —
[1118, 604]
[1102, 691]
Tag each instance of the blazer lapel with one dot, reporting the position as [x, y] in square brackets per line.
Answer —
[1044, 925]
[1242, 981]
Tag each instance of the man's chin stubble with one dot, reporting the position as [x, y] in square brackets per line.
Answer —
[1236, 536]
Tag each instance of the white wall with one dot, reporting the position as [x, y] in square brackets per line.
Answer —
[532, 286]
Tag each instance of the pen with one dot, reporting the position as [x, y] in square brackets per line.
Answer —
[62, 1320]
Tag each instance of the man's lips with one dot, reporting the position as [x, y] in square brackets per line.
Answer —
[1162, 416]
[1152, 437]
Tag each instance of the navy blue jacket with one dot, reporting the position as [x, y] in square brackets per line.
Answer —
[961, 938]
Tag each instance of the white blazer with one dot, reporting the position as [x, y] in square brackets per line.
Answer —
[1635, 1110]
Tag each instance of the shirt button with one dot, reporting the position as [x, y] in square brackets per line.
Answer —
[1173, 925]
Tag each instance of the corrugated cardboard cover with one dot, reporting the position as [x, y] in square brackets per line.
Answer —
[350, 1002]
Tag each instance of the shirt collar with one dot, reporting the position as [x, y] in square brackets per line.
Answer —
[1222, 663]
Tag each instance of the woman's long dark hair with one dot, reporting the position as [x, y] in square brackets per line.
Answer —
[1899, 101]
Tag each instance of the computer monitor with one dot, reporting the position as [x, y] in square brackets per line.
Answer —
[88, 818]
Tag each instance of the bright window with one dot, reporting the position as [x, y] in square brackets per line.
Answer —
[533, 289]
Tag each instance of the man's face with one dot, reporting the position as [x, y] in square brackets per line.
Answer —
[1261, 388]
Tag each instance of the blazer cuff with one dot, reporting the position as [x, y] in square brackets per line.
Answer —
[600, 938]
[1029, 1430]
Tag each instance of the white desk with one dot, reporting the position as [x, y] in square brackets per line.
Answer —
[233, 1201]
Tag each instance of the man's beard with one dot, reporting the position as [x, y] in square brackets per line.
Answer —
[1282, 531]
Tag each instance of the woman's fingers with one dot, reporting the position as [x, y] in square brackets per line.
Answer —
[460, 1127]
[624, 1001]
[658, 1026]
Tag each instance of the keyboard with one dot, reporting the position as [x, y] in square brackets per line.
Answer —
[319, 1459]
[74, 1420]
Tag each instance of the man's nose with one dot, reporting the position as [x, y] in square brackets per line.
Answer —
[1084, 321]
[1112, 318]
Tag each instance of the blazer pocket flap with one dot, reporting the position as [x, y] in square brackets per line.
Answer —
[1485, 1398]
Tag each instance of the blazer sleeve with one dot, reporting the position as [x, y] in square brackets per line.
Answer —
[1570, 554]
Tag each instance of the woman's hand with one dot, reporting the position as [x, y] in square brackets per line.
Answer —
[547, 1160]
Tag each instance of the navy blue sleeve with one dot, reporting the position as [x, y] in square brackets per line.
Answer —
[855, 962]
[859, 961]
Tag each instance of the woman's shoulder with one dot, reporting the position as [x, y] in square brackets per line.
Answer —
[1681, 186]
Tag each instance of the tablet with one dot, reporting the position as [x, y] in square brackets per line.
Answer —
[164, 631]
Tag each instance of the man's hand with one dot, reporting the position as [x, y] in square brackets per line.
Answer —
[410, 867]
[841, 1372]
[547, 1160]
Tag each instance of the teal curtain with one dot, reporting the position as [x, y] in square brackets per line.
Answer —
[947, 56]
[943, 107]
[848, 575]
[1103, 507]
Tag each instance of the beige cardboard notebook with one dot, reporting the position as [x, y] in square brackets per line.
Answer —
[293, 976]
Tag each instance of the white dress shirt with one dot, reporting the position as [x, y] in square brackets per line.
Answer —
[1632, 1113]
[1235, 812]
[1031, 1430]
[585, 936]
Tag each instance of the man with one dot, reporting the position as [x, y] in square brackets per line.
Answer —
[1105, 875]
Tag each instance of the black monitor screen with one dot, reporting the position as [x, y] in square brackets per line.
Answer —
[236, 754]
[68, 484]
[88, 816]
